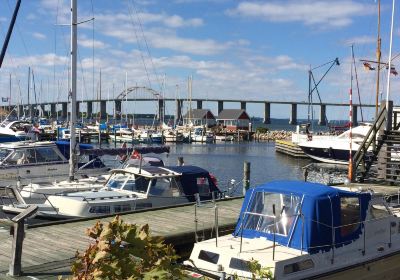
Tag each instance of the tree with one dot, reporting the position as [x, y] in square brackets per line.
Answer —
[125, 251]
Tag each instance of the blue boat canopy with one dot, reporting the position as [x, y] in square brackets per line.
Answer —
[307, 216]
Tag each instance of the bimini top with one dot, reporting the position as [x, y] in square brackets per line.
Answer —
[195, 179]
[307, 215]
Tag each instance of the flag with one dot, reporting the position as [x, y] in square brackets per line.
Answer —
[368, 66]
[135, 155]
[4, 99]
[393, 71]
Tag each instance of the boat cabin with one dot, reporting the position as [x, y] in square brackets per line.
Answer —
[134, 188]
[301, 230]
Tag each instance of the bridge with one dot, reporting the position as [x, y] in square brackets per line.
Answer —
[141, 94]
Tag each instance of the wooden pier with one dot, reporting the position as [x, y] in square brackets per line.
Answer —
[289, 148]
[49, 249]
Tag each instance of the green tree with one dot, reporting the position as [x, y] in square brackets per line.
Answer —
[125, 251]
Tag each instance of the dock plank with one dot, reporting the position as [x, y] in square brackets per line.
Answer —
[51, 247]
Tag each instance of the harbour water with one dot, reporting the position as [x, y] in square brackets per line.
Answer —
[225, 161]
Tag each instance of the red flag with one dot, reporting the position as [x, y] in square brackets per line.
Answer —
[135, 155]
[368, 66]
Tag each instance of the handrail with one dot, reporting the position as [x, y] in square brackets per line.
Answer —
[368, 140]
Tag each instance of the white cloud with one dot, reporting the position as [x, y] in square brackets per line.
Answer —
[89, 43]
[49, 59]
[39, 36]
[309, 12]
[360, 40]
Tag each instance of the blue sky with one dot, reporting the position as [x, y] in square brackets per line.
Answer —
[234, 49]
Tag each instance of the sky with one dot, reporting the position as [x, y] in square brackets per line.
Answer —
[250, 50]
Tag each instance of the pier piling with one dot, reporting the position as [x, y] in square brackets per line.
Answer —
[246, 176]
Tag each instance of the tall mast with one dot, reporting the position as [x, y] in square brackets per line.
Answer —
[72, 150]
[378, 56]
[29, 86]
[390, 58]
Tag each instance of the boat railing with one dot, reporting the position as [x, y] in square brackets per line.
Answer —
[332, 245]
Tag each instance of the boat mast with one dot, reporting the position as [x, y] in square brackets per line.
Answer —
[72, 150]
[350, 172]
[378, 56]
[390, 59]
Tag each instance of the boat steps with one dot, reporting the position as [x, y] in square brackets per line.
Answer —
[289, 148]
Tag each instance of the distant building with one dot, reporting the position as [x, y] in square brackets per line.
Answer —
[234, 119]
[200, 117]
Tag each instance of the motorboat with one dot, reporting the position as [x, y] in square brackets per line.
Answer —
[26, 162]
[173, 136]
[151, 136]
[128, 189]
[335, 149]
[123, 134]
[12, 131]
[301, 230]
[199, 135]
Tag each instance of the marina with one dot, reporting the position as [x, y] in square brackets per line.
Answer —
[182, 140]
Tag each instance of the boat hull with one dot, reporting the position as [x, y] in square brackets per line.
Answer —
[386, 267]
[328, 155]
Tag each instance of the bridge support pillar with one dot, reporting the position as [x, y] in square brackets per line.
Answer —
[89, 109]
[117, 109]
[103, 109]
[161, 110]
[77, 109]
[64, 111]
[21, 110]
[220, 106]
[267, 113]
[322, 115]
[243, 105]
[293, 116]
[178, 114]
[199, 104]
[354, 116]
[53, 112]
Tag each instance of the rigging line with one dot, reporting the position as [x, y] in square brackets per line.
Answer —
[139, 46]
[91, 2]
[358, 88]
[55, 46]
[147, 46]
[19, 31]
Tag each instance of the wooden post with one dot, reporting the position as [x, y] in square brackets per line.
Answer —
[18, 233]
[246, 176]
[180, 161]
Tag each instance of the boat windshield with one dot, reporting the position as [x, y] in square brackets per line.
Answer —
[260, 217]
[116, 181]
[128, 182]
[4, 153]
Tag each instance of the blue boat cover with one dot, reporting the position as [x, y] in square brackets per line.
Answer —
[318, 222]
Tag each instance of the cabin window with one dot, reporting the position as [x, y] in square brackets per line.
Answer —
[161, 187]
[101, 209]
[203, 186]
[122, 208]
[298, 266]
[47, 155]
[139, 184]
[21, 156]
[260, 216]
[239, 264]
[176, 188]
[208, 256]
[349, 215]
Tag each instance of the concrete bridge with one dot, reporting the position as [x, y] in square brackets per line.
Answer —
[139, 94]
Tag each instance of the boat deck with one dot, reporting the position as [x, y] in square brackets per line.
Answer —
[49, 249]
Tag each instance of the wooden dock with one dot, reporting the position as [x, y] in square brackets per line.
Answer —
[49, 249]
[289, 148]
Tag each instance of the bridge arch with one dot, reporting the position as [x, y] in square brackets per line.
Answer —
[140, 92]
